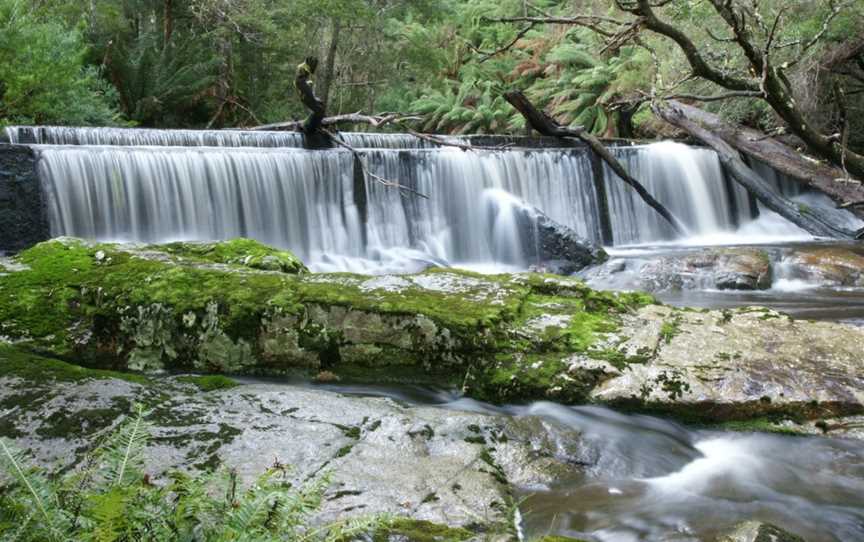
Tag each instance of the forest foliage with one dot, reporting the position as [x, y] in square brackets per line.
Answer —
[221, 63]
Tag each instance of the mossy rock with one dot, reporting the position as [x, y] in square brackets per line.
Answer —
[209, 382]
[500, 337]
[243, 252]
[413, 530]
[199, 306]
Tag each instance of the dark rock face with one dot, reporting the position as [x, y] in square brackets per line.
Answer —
[23, 218]
[550, 246]
[563, 251]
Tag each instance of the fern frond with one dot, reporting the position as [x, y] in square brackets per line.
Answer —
[122, 456]
[37, 490]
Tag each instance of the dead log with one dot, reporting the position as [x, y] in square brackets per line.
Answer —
[800, 215]
[547, 126]
[825, 178]
[354, 118]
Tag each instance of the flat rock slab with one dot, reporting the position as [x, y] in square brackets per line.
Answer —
[737, 363]
[446, 467]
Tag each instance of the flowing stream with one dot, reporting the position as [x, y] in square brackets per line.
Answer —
[641, 478]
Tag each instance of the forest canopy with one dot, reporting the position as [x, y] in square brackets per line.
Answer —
[591, 63]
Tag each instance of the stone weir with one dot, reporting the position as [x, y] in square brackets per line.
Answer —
[482, 206]
[243, 308]
[23, 214]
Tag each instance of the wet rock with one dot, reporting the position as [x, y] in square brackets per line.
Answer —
[445, 467]
[23, 215]
[722, 269]
[562, 250]
[835, 266]
[738, 364]
[754, 531]
[742, 269]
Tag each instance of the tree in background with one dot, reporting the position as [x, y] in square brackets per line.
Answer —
[44, 78]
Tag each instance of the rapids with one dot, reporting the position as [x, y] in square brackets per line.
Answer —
[638, 478]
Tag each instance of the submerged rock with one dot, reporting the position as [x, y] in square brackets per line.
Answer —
[501, 337]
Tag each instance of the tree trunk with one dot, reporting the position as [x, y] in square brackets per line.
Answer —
[167, 23]
[823, 177]
[547, 126]
[330, 61]
[800, 215]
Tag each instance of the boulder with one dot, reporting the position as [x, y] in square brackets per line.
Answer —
[501, 338]
[563, 251]
[832, 266]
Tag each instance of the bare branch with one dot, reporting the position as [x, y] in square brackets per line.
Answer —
[352, 118]
[490, 54]
[368, 174]
[835, 10]
[716, 97]
[588, 21]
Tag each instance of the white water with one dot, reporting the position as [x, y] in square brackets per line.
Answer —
[159, 185]
[136, 137]
[639, 478]
[305, 200]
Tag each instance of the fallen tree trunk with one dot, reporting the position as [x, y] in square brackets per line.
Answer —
[353, 118]
[800, 215]
[828, 179]
[547, 126]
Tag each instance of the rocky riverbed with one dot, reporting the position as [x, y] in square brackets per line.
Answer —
[239, 307]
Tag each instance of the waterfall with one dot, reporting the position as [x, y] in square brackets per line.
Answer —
[158, 185]
[688, 181]
[134, 137]
[305, 201]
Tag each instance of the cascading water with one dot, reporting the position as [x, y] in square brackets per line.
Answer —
[156, 185]
[688, 181]
[136, 137]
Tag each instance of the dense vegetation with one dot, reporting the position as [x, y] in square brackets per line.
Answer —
[221, 63]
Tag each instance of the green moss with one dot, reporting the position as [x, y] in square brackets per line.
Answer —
[459, 300]
[196, 307]
[670, 329]
[240, 252]
[21, 364]
[210, 382]
[83, 422]
[344, 450]
[412, 530]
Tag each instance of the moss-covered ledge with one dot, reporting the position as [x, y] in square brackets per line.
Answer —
[242, 307]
